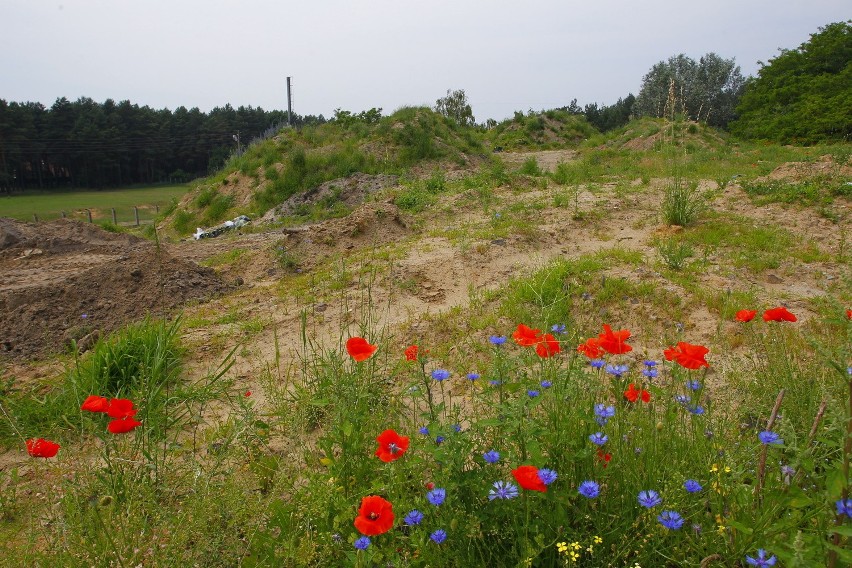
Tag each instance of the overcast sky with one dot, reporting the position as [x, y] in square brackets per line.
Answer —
[352, 55]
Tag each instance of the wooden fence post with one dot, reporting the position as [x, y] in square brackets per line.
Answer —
[136, 214]
[63, 215]
[35, 217]
[89, 214]
[114, 220]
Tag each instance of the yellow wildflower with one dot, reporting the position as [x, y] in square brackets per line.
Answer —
[598, 540]
[561, 547]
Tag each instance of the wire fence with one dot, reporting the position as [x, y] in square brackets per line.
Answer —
[125, 216]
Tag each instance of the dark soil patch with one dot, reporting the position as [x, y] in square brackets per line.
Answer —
[64, 280]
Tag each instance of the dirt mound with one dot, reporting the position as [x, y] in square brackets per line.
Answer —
[351, 191]
[792, 172]
[64, 279]
[373, 223]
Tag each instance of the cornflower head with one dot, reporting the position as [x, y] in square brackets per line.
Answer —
[547, 476]
[599, 438]
[649, 363]
[597, 363]
[760, 559]
[696, 409]
[440, 374]
[767, 437]
[494, 382]
[682, 399]
[491, 456]
[457, 428]
[589, 489]
[424, 430]
[558, 328]
[650, 372]
[437, 496]
[438, 536]
[472, 376]
[497, 340]
[439, 440]
[362, 543]
[414, 517]
[532, 393]
[693, 384]
[546, 384]
[503, 490]
[616, 370]
[844, 507]
[604, 411]
[649, 499]
[692, 486]
[671, 520]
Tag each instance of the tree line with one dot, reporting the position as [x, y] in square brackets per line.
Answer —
[89, 144]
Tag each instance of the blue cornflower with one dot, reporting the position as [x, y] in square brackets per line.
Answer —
[362, 543]
[649, 498]
[440, 374]
[532, 393]
[472, 376]
[597, 363]
[437, 496]
[693, 384]
[589, 489]
[424, 430]
[414, 517]
[494, 383]
[546, 384]
[599, 438]
[558, 328]
[768, 437]
[604, 411]
[692, 486]
[682, 399]
[439, 440]
[760, 559]
[649, 363]
[670, 519]
[696, 409]
[547, 476]
[844, 507]
[503, 490]
[491, 456]
[616, 370]
[788, 471]
[650, 372]
[438, 536]
[497, 340]
[457, 428]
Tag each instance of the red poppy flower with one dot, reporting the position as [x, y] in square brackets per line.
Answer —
[613, 342]
[247, 394]
[526, 336]
[527, 477]
[94, 403]
[591, 348]
[122, 425]
[359, 349]
[778, 314]
[547, 346]
[687, 355]
[746, 316]
[849, 314]
[391, 445]
[603, 457]
[430, 485]
[375, 516]
[41, 448]
[121, 408]
[411, 353]
[633, 394]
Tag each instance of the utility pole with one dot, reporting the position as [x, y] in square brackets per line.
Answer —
[236, 138]
[289, 104]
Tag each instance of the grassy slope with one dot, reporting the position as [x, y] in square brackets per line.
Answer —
[296, 443]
